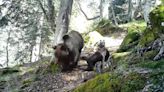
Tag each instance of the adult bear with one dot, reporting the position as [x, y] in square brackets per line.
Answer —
[67, 53]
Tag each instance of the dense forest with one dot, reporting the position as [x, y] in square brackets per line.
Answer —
[82, 46]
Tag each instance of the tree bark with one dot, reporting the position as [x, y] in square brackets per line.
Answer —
[62, 22]
[146, 10]
[138, 9]
[113, 14]
[41, 37]
[101, 8]
[7, 48]
[130, 10]
[51, 13]
[31, 52]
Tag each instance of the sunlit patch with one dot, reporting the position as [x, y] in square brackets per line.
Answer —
[70, 77]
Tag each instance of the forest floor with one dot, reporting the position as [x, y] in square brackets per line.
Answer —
[27, 80]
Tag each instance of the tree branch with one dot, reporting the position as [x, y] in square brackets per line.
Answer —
[86, 15]
[44, 11]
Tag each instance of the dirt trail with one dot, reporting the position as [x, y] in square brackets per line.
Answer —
[60, 82]
[78, 76]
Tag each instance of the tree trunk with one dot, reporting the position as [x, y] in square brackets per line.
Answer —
[51, 13]
[40, 47]
[31, 53]
[7, 48]
[40, 42]
[146, 10]
[130, 10]
[113, 14]
[62, 22]
[101, 8]
[138, 9]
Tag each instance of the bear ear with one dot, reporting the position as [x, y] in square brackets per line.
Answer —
[54, 47]
[65, 37]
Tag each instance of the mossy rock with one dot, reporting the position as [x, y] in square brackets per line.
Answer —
[148, 36]
[157, 17]
[129, 41]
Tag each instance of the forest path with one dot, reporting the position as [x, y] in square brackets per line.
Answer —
[78, 76]
[28, 81]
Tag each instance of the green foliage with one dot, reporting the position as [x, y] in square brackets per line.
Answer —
[162, 2]
[105, 27]
[85, 37]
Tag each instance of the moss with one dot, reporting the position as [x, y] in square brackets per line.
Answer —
[133, 82]
[102, 83]
[150, 54]
[132, 38]
[113, 83]
[26, 83]
[157, 17]
[103, 26]
[86, 37]
[119, 56]
[5, 71]
[148, 36]
[129, 41]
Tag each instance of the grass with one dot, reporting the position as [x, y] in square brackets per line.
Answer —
[152, 64]
[140, 23]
